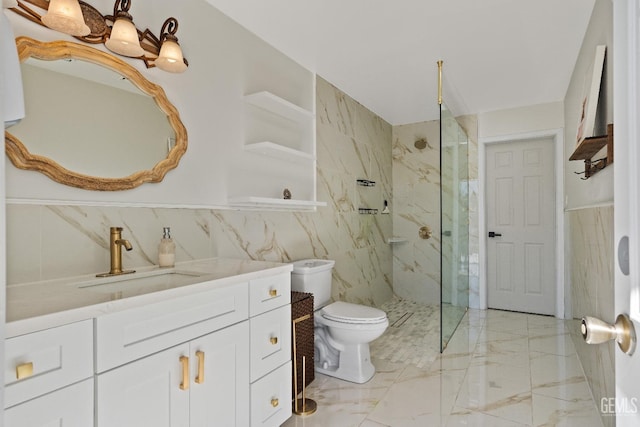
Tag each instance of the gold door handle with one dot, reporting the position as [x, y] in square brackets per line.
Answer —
[273, 292]
[24, 370]
[200, 377]
[184, 385]
[595, 331]
[275, 402]
[274, 340]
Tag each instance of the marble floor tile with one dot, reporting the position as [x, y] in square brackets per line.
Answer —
[553, 343]
[500, 390]
[559, 377]
[463, 417]
[548, 411]
[418, 395]
[508, 324]
[499, 369]
[502, 348]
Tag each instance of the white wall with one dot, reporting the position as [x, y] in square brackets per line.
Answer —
[521, 120]
[226, 62]
[597, 190]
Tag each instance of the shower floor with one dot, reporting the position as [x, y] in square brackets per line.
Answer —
[413, 335]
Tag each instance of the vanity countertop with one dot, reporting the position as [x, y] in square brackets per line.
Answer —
[40, 305]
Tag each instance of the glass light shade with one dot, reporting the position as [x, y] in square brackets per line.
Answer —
[170, 58]
[124, 39]
[66, 16]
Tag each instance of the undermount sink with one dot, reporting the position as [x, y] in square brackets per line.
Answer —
[128, 285]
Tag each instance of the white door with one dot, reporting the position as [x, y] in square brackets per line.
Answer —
[627, 200]
[520, 200]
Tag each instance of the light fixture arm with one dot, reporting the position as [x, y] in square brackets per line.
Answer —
[169, 29]
[123, 10]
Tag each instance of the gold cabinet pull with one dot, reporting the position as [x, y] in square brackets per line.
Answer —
[275, 402]
[274, 340]
[24, 370]
[200, 377]
[273, 292]
[184, 385]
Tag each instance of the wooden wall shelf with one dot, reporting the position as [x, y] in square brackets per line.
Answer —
[589, 147]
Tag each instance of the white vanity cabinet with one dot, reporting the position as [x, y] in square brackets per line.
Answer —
[49, 377]
[213, 353]
[145, 379]
[200, 383]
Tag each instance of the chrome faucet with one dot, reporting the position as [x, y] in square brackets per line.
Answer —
[115, 245]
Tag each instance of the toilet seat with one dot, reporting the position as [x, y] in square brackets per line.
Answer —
[345, 312]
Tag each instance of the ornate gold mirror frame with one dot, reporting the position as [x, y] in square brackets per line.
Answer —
[23, 159]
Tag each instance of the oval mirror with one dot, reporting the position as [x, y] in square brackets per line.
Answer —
[92, 120]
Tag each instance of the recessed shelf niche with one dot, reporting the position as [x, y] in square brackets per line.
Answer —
[279, 152]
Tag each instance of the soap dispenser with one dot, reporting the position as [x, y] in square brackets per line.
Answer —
[166, 249]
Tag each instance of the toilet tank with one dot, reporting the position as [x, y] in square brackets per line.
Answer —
[313, 276]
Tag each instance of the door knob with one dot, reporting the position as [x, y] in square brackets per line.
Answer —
[424, 232]
[595, 331]
[494, 234]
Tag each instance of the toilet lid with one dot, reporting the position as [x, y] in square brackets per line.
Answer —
[353, 313]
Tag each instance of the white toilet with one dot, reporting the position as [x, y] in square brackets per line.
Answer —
[343, 330]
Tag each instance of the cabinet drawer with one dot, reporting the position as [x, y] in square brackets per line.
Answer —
[47, 360]
[270, 341]
[131, 334]
[69, 407]
[271, 398]
[267, 293]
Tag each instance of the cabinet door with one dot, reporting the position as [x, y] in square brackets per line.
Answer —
[146, 392]
[69, 407]
[220, 385]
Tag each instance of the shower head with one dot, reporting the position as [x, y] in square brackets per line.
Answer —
[421, 143]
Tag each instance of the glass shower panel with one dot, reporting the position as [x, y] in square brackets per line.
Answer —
[454, 221]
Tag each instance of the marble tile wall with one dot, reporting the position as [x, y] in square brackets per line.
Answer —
[592, 294]
[45, 242]
[416, 190]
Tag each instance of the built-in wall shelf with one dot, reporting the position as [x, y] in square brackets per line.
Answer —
[280, 127]
[395, 239]
[272, 203]
[589, 147]
[278, 151]
[273, 103]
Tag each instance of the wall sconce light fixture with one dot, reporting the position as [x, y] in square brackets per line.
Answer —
[118, 32]
[124, 39]
[66, 16]
[170, 58]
